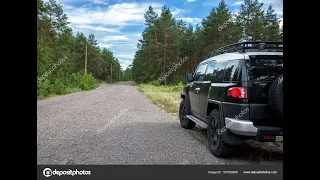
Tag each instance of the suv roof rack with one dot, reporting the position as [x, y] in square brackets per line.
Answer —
[255, 46]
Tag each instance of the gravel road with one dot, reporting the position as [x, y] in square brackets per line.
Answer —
[116, 124]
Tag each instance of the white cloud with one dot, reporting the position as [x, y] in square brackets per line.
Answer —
[115, 38]
[124, 64]
[176, 11]
[136, 35]
[126, 56]
[237, 3]
[116, 14]
[105, 45]
[97, 28]
[191, 0]
[103, 2]
[191, 20]
[68, 1]
[66, 7]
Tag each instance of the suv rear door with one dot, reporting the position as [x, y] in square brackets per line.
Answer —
[262, 71]
[195, 87]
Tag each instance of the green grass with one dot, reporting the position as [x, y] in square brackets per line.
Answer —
[47, 96]
[167, 98]
[68, 91]
[74, 90]
[65, 84]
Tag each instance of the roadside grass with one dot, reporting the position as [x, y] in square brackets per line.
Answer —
[70, 90]
[67, 91]
[61, 84]
[47, 96]
[167, 98]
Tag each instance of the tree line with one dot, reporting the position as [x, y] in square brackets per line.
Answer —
[166, 40]
[55, 41]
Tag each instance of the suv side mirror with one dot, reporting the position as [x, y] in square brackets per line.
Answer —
[189, 77]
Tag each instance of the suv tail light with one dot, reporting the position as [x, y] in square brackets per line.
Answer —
[238, 92]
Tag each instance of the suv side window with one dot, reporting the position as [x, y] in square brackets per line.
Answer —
[209, 71]
[218, 72]
[233, 71]
[199, 75]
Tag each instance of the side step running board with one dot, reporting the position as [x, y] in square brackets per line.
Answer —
[198, 121]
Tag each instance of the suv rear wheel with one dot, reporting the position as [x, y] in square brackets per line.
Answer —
[215, 141]
[184, 110]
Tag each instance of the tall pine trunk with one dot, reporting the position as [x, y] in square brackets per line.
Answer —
[164, 56]
[155, 34]
[105, 72]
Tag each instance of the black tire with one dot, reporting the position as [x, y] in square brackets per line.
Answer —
[215, 141]
[184, 110]
[275, 96]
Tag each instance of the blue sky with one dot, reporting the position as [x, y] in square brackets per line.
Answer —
[117, 24]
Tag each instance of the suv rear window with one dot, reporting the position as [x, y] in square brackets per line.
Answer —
[265, 67]
[233, 71]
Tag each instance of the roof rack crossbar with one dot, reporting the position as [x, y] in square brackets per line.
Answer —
[242, 46]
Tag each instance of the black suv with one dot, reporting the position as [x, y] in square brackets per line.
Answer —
[236, 94]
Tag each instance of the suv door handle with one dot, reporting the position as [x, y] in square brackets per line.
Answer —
[197, 89]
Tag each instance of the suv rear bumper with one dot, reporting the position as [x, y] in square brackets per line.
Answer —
[260, 133]
[241, 127]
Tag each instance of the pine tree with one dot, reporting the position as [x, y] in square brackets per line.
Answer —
[271, 26]
[220, 28]
[251, 17]
[167, 24]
